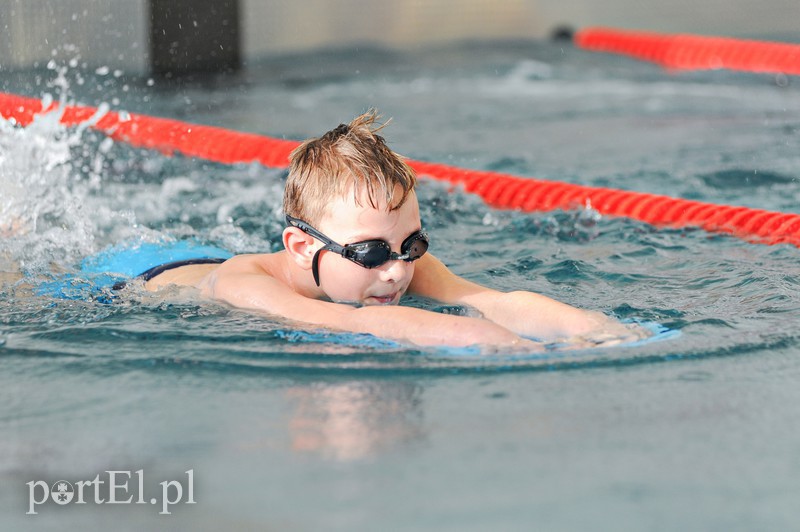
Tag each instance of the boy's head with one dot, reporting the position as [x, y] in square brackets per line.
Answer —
[351, 159]
[352, 216]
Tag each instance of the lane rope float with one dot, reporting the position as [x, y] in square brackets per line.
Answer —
[498, 190]
[694, 52]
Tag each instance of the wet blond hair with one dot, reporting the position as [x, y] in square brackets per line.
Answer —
[352, 155]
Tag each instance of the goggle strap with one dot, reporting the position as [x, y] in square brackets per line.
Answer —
[315, 265]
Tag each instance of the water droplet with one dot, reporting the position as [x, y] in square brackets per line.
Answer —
[106, 145]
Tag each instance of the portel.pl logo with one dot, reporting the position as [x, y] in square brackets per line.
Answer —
[117, 488]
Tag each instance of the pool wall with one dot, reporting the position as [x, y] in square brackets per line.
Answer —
[119, 34]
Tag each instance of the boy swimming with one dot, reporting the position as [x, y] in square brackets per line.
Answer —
[354, 246]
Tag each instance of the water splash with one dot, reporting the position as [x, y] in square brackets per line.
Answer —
[66, 193]
[42, 193]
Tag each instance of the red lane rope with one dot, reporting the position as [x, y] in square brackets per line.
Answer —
[694, 52]
[499, 190]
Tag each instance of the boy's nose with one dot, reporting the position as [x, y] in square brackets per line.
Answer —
[395, 270]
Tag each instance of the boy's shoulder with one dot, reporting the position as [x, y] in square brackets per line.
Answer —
[245, 273]
[252, 263]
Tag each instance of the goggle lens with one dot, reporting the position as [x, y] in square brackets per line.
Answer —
[370, 254]
[415, 246]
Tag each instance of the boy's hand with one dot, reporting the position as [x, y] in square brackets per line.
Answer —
[613, 333]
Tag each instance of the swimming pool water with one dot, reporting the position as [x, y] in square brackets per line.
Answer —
[293, 430]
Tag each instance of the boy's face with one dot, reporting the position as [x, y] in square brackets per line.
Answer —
[346, 223]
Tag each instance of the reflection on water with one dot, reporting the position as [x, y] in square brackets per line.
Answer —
[355, 420]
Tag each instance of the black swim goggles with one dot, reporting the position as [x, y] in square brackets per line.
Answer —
[369, 253]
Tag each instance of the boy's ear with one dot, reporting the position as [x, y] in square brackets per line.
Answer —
[300, 246]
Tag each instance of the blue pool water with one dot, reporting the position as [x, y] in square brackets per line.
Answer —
[286, 429]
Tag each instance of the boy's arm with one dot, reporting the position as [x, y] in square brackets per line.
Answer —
[264, 293]
[524, 313]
